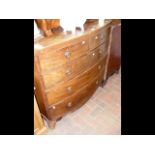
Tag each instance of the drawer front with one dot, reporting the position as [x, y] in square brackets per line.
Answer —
[75, 101]
[103, 50]
[70, 87]
[87, 61]
[68, 72]
[65, 72]
[56, 76]
[50, 58]
[98, 38]
[97, 54]
[80, 65]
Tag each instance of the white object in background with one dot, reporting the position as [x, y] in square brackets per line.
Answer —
[71, 24]
[36, 30]
[80, 22]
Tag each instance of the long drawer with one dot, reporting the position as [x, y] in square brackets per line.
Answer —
[75, 101]
[98, 53]
[52, 58]
[65, 72]
[66, 89]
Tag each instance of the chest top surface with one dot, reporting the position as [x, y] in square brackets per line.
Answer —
[44, 42]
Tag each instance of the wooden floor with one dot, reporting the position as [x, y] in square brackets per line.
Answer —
[100, 115]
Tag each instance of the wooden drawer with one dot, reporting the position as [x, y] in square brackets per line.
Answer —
[65, 72]
[66, 89]
[87, 61]
[75, 101]
[97, 54]
[98, 38]
[57, 75]
[51, 58]
[80, 65]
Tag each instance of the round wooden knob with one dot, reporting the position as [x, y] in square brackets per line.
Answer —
[83, 42]
[93, 54]
[69, 104]
[53, 107]
[96, 37]
[68, 72]
[69, 89]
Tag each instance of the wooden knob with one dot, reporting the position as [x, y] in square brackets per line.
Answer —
[83, 42]
[68, 72]
[96, 37]
[93, 54]
[53, 107]
[69, 104]
[69, 89]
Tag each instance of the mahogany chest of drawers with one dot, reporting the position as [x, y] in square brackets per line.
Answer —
[69, 68]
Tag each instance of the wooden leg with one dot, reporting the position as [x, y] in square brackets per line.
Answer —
[103, 83]
[59, 118]
[52, 124]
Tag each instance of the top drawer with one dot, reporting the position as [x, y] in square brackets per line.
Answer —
[97, 38]
[51, 58]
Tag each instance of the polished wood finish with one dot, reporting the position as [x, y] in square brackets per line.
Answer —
[69, 68]
[114, 62]
[39, 127]
[62, 91]
[98, 37]
[54, 56]
[74, 101]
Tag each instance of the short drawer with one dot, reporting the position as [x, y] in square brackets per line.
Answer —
[57, 75]
[88, 60]
[98, 38]
[70, 87]
[97, 54]
[50, 58]
[75, 101]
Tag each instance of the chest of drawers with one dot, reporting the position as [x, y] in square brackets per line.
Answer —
[69, 68]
